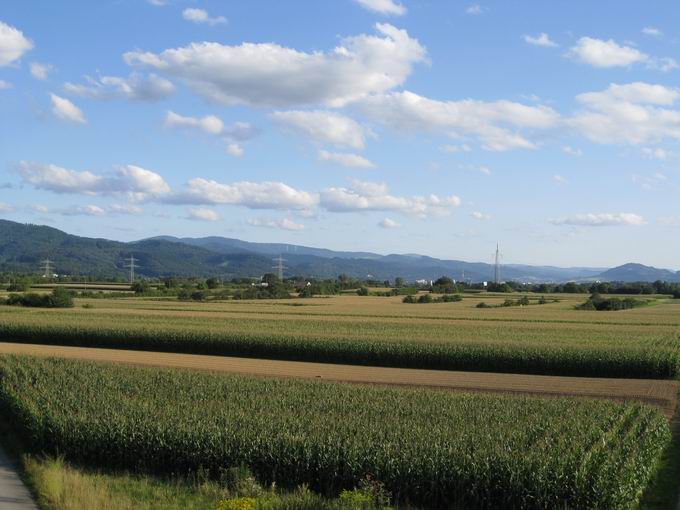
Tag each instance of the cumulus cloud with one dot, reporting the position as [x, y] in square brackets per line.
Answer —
[475, 9]
[135, 87]
[267, 74]
[559, 179]
[388, 223]
[253, 195]
[84, 210]
[324, 126]
[40, 71]
[454, 149]
[136, 182]
[374, 196]
[202, 215]
[6, 208]
[634, 113]
[283, 224]
[213, 125]
[95, 210]
[492, 123]
[388, 7]
[64, 109]
[344, 159]
[234, 149]
[572, 151]
[653, 31]
[480, 216]
[5, 85]
[201, 16]
[541, 39]
[13, 44]
[600, 220]
[599, 53]
[655, 153]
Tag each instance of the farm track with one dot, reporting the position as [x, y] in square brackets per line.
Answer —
[659, 393]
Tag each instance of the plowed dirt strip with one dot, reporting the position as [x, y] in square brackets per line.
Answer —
[662, 394]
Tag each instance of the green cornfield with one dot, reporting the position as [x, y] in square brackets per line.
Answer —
[429, 448]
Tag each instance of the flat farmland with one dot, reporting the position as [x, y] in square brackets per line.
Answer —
[545, 339]
[660, 394]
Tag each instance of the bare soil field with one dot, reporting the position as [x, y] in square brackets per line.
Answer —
[659, 393]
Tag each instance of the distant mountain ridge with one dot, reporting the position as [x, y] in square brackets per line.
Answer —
[23, 246]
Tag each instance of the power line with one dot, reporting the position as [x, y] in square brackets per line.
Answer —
[497, 267]
[47, 268]
[279, 266]
[131, 264]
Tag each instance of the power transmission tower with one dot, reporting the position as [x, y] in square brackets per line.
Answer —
[497, 267]
[47, 268]
[131, 264]
[279, 266]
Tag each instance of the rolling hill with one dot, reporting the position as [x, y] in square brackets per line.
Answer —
[23, 246]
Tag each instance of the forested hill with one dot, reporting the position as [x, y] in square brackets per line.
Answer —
[23, 246]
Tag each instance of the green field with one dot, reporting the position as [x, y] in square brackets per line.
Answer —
[426, 446]
[542, 339]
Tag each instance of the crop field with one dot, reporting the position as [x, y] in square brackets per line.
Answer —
[538, 339]
[658, 393]
[428, 447]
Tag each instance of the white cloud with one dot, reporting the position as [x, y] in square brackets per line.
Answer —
[201, 16]
[350, 160]
[210, 124]
[654, 32]
[236, 132]
[135, 87]
[84, 210]
[135, 181]
[454, 149]
[324, 126]
[40, 71]
[234, 149]
[158, 3]
[475, 9]
[13, 44]
[559, 179]
[655, 153]
[125, 209]
[5, 85]
[485, 170]
[631, 113]
[264, 195]
[492, 123]
[480, 216]
[572, 151]
[267, 74]
[6, 208]
[374, 196]
[66, 110]
[388, 223]
[541, 39]
[599, 53]
[283, 224]
[600, 220]
[202, 215]
[388, 7]
[650, 182]
[39, 208]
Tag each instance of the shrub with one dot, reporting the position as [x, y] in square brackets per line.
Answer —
[363, 291]
[59, 298]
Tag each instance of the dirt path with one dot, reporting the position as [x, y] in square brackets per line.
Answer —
[662, 394]
[13, 493]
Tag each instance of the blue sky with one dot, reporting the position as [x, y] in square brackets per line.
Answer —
[397, 127]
